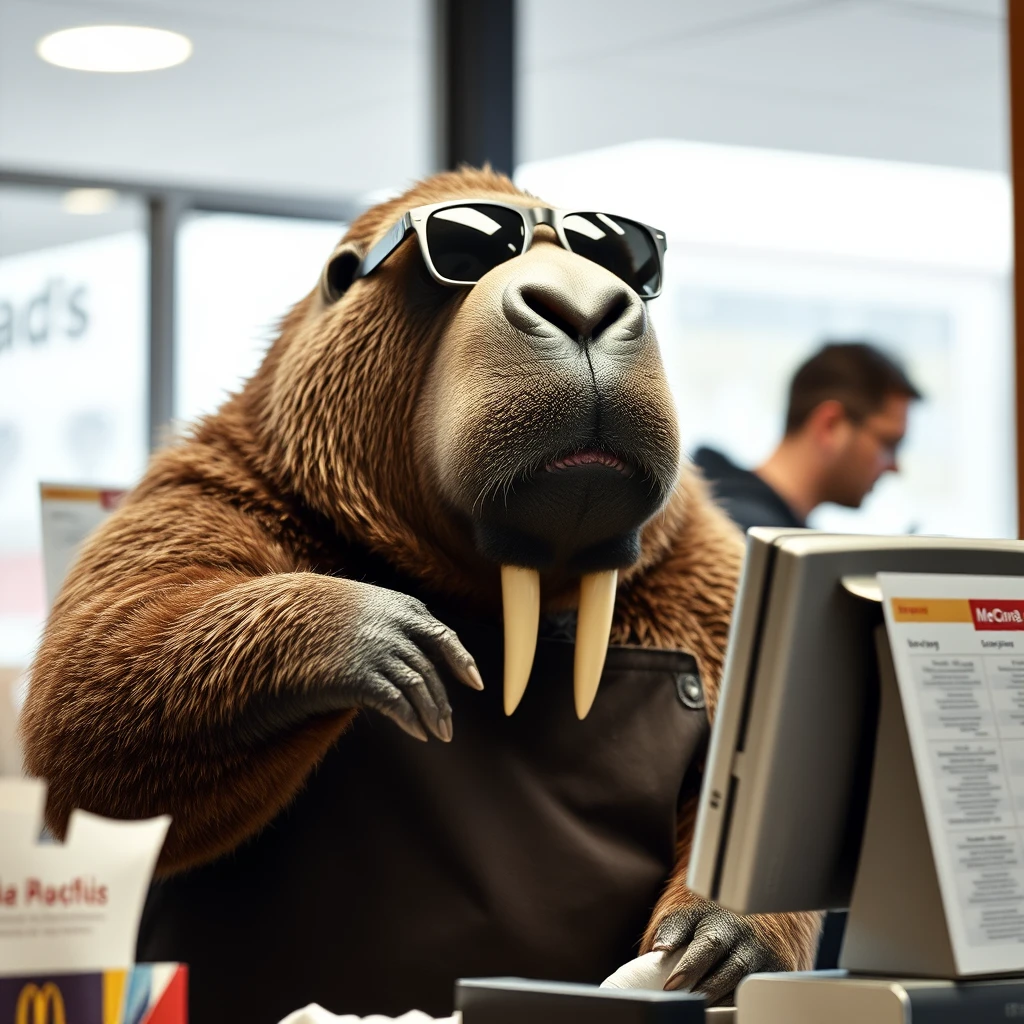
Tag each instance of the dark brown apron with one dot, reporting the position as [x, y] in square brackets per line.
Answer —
[534, 846]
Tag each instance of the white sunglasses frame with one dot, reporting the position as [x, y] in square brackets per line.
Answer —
[415, 220]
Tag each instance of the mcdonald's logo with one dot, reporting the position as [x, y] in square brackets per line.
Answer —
[40, 1001]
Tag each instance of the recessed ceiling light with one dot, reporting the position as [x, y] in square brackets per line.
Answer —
[88, 200]
[114, 48]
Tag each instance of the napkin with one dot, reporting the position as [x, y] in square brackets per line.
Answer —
[648, 971]
[316, 1014]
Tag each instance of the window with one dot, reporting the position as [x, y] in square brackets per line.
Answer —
[72, 374]
[237, 277]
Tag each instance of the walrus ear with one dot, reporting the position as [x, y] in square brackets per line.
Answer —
[340, 272]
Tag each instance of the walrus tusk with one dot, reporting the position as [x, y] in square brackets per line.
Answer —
[593, 627]
[520, 594]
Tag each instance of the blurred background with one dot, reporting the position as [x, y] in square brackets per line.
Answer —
[822, 168]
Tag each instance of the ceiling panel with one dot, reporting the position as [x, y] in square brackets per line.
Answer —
[386, 22]
[557, 32]
[333, 97]
[972, 8]
[324, 108]
[595, 114]
[855, 50]
[879, 78]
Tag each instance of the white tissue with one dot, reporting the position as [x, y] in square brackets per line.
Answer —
[651, 970]
[316, 1014]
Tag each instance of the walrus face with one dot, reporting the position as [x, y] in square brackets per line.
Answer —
[529, 411]
[547, 425]
[546, 416]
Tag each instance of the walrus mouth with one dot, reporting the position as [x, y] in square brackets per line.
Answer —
[581, 514]
[590, 458]
[520, 589]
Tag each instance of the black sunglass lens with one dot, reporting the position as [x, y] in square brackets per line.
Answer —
[466, 241]
[619, 245]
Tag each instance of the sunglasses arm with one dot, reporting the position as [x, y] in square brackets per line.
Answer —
[397, 234]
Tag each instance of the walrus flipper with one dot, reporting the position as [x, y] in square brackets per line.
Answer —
[199, 671]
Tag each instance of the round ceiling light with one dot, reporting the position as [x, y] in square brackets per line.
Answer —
[88, 200]
[114, 48]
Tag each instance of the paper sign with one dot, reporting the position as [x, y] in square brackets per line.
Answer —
[958, 649]
[69, 514]
[74, 906]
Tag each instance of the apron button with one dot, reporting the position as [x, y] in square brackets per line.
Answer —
[691, 693]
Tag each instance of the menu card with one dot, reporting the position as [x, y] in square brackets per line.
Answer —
[958, 649]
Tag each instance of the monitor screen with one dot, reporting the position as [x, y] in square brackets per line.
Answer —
[785, 790]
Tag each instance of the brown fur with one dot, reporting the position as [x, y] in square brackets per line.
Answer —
[207, 593]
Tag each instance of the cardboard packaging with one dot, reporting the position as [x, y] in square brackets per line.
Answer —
[69, 919]
[143, 994]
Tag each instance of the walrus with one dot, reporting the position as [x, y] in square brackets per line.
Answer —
[451, 500]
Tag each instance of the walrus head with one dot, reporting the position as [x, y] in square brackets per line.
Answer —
[523, 422]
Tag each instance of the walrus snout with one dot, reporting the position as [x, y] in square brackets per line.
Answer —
[549, 421]
[565, 309]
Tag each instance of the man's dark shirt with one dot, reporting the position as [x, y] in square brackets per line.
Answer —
[745, 497]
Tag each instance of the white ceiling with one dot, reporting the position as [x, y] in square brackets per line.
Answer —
[905, 80]
[311, 95]
[334, 97]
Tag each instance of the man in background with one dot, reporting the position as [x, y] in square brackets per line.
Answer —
[847, 415]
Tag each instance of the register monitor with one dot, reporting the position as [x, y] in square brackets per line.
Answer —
[785, 790]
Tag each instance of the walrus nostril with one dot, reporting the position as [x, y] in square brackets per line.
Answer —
[583, 318]
[552, 316]
[615, 311]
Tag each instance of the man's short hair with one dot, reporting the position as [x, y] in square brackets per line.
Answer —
[856, 374]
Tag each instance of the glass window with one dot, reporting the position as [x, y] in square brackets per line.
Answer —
[237, 277]
[734, 335]
[72, 372]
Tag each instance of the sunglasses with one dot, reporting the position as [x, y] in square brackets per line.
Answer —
[462, 241]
